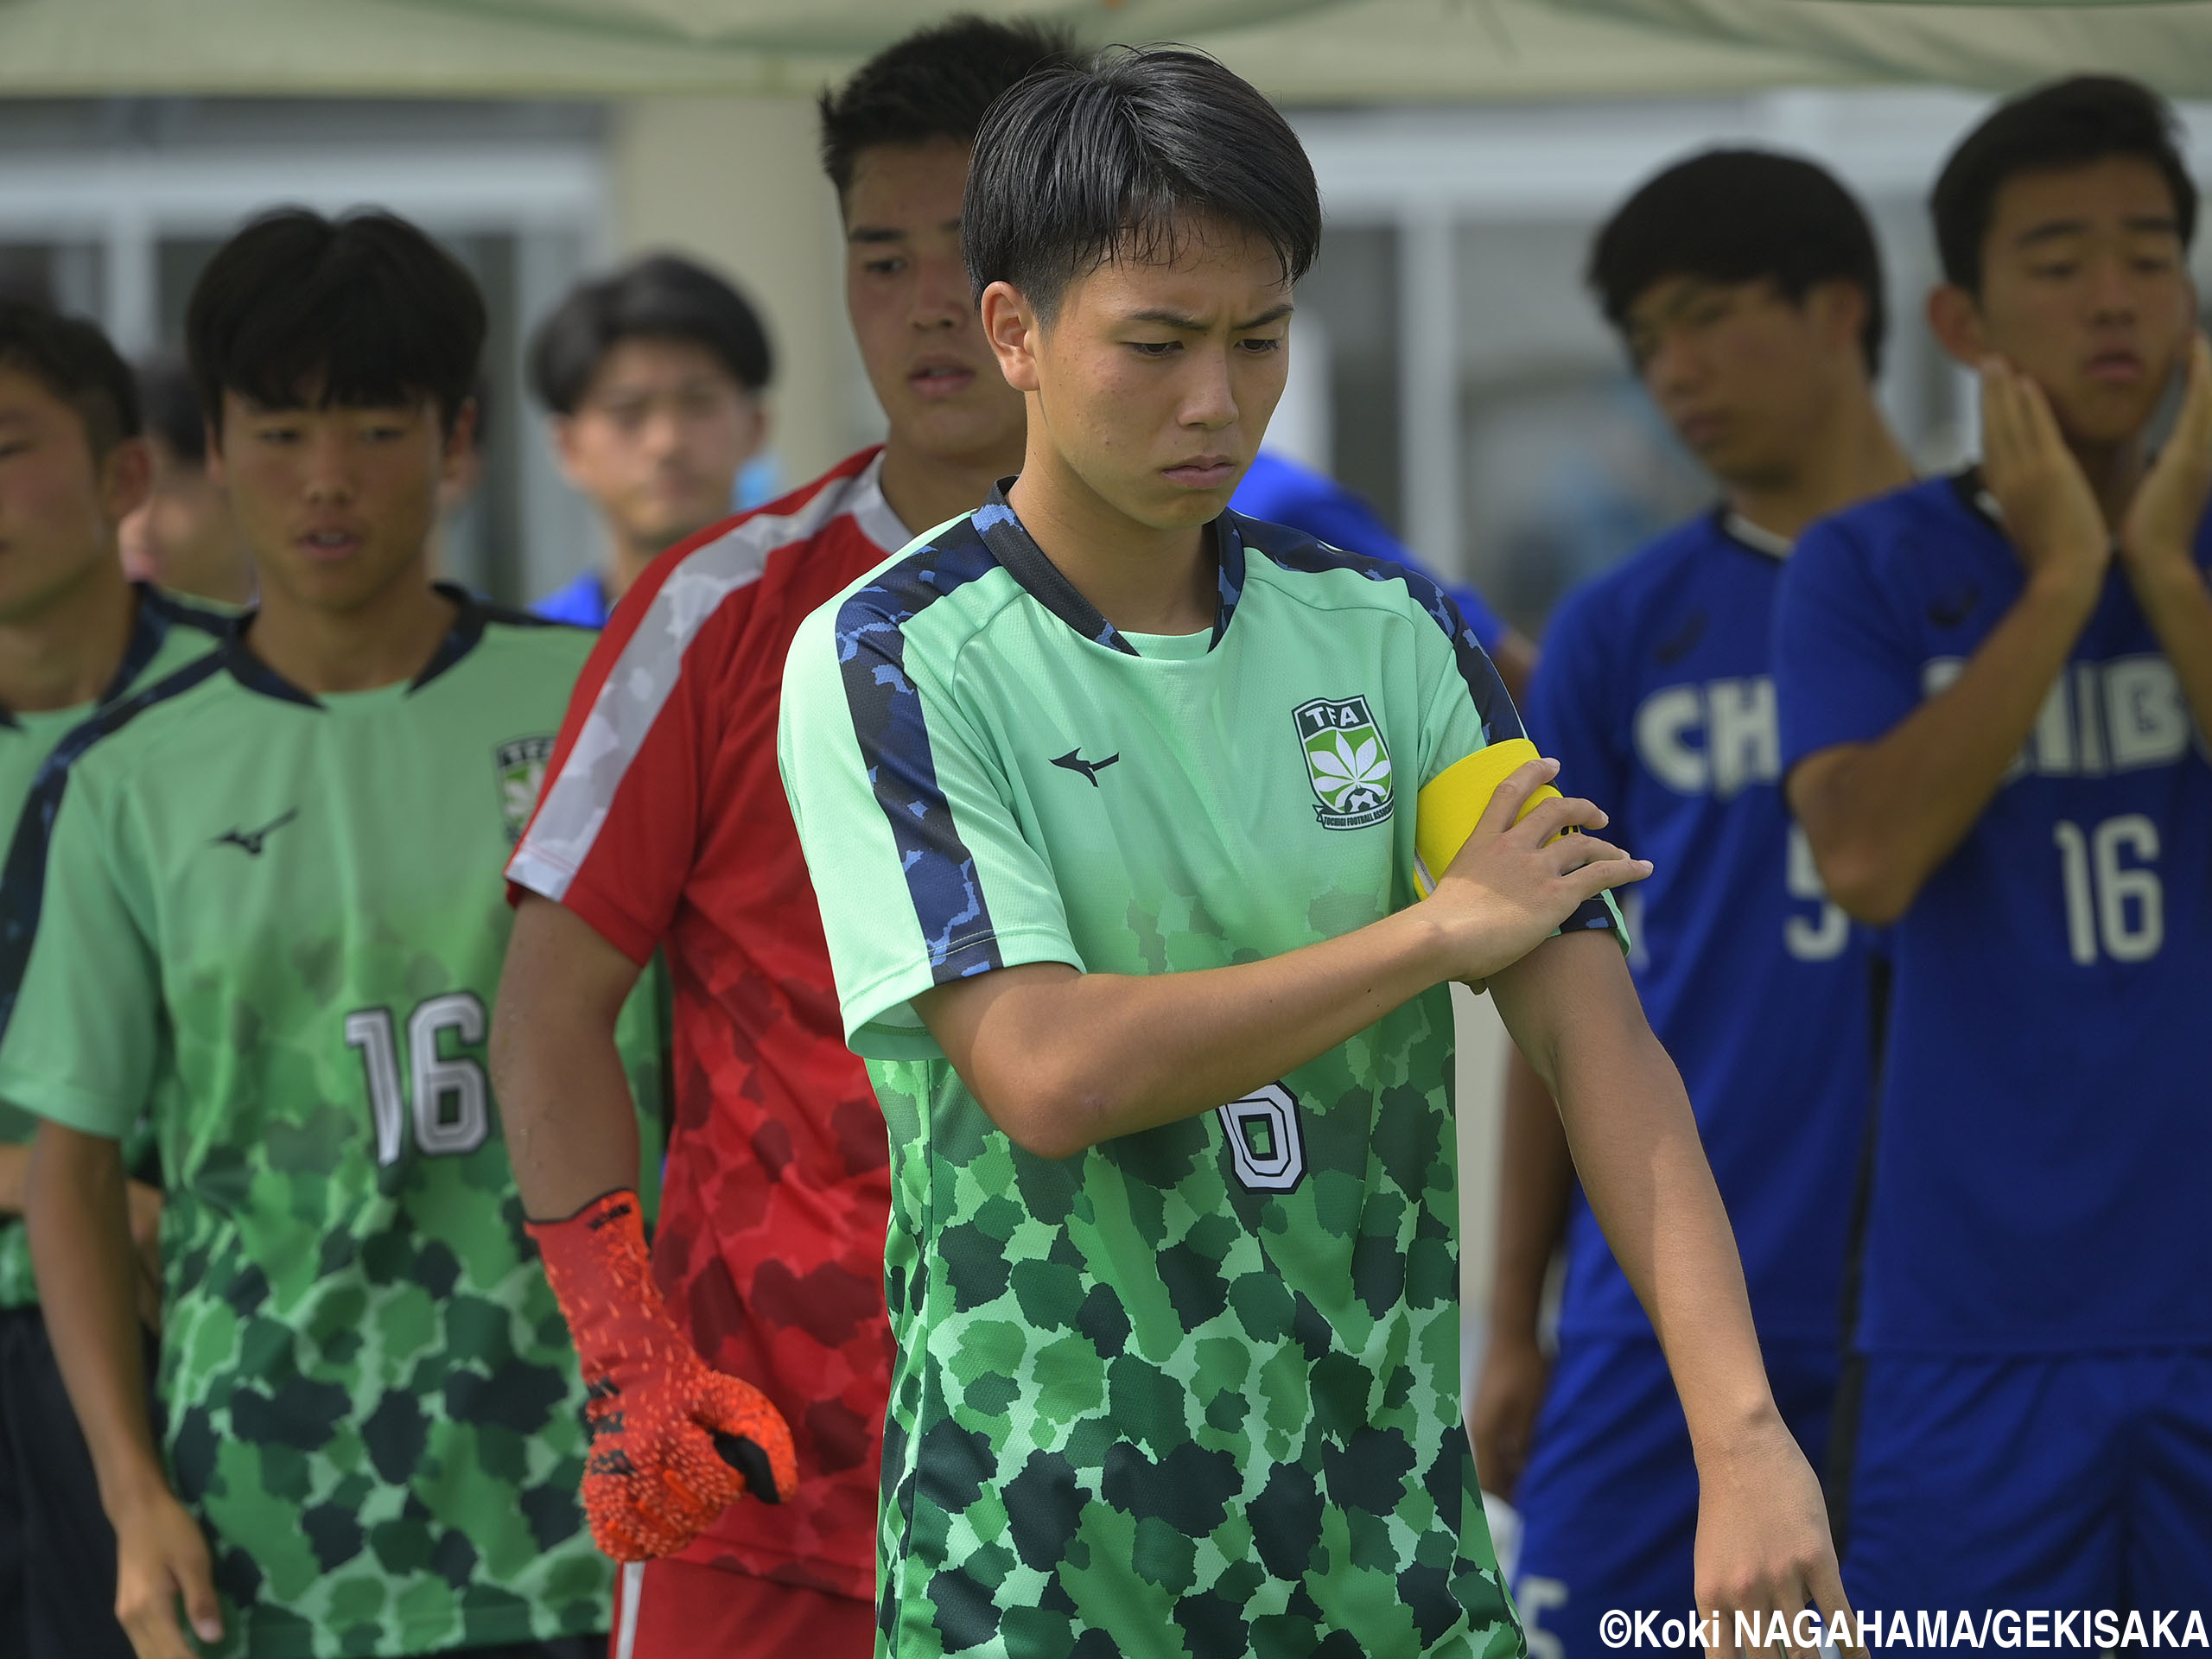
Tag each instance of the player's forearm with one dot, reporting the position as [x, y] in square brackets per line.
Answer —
[80, 1244]
[1536, 1175]
[1636, 1147]
[1882, 816]
[14, 1169]
[1062, 1061]
[2178, 602]
[565, 1097]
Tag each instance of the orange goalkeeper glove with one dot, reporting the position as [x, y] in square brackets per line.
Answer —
[673, 1440]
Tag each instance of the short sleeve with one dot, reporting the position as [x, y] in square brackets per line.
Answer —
[1845, 669]
[1571, 705]
[1467, 706]
[916, 858]
[618, 819]
[81, 1003]
[1470, 709]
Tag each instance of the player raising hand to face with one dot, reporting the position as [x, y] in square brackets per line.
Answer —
[1994, 691]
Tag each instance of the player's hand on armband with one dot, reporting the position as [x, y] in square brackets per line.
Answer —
[1515, 866]
[674, 1441]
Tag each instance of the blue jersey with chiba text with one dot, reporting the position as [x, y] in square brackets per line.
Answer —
[2044, 1140]
[1654, 693]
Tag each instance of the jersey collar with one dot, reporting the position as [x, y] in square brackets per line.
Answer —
[470, 615]
[1017, 551]
[151, 612]
[872, 512]
[1973, 495]
[1745, 534]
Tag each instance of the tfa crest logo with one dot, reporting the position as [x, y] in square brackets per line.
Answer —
[1346, 761]
[520, 762]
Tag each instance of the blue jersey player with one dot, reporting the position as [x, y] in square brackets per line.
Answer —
[1995, 691]
[1749, 289]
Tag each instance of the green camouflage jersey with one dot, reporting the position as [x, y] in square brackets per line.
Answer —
[277, 921]
[1195, 1391]
[166, 633]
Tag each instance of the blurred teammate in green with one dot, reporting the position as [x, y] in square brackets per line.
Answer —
[1110, 798]
[74, 636]
[271, 913]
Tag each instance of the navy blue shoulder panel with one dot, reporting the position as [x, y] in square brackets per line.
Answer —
[153, 614]
[23, 877]
[892, 732]
[183, 614]
[1294, 550]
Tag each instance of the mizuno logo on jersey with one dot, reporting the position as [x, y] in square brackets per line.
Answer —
[1073, 762]
[1679, 643]
[250, 840]
[1948, 610]
[521, 763]
[1346, 761]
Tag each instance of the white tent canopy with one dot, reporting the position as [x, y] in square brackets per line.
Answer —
[1310, 51]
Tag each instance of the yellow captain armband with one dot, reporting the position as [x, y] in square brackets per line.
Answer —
[1455, 799]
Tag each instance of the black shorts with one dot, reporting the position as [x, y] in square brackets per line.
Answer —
[57, 1553]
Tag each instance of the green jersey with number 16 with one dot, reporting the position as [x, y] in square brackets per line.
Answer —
[277, 920]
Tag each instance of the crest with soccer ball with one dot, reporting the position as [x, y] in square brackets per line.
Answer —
[1346, 761]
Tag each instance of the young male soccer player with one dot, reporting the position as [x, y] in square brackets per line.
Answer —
[1994, 693]
[183, 535]
[654, 377]
[1109, 799]
[74, 635]
[1749, 290]
[272, 915]
[663, 824]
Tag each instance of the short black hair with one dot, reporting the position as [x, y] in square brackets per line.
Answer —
[1089, 163]
[938, 83]
[172, 407]
[73, 360]
[2063, 124]
[658, 297]
[363, 311]
[1741, 216]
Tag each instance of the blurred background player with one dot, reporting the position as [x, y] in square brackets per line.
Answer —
[74, 636]
[1995, 690]
[271, 916]
[183, 537]
[1287, 492]
[654, 378]
[1749, 291]
[664, 825]
[1109, 796]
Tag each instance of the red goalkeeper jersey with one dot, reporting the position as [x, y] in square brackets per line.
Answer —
[662, 825]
